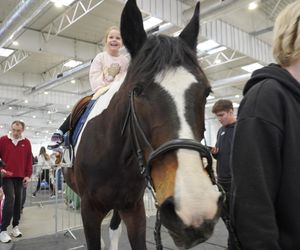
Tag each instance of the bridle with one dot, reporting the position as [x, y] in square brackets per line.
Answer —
[137, 132]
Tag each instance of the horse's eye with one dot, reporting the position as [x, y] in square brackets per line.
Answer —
[138, 89]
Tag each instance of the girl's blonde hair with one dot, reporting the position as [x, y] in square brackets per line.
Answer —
[286, 38]
[107, 32]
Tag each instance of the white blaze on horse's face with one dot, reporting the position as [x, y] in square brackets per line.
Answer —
[196, 199]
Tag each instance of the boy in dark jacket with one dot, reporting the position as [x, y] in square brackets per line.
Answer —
[223, 109]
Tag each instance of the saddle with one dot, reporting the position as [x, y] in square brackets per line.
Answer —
[75, 115]
[80, 106]
[78, 110]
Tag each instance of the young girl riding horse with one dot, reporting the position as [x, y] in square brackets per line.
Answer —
[107, 67]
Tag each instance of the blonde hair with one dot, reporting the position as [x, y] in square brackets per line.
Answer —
[107, 33]
[286, 38]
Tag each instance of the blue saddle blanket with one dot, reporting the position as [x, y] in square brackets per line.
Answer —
[81, 121]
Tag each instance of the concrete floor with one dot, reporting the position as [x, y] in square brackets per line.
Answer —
[38, 225]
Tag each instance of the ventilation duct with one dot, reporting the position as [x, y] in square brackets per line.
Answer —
[61, 78]
[21, 16]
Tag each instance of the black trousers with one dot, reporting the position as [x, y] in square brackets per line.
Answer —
[12, 188]
[45, 175]
[225, 213]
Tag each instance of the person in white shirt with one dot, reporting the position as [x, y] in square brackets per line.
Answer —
[44, 171]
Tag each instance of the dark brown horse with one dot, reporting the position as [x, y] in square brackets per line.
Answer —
[149, 131]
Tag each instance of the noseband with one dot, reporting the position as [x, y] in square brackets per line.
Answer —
[137, 132]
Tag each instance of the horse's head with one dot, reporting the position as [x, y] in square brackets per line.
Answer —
[169, 92]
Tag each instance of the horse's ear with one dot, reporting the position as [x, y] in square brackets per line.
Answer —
[191, 31]
[132, 29]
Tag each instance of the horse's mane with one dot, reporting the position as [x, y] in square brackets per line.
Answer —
[160, 53]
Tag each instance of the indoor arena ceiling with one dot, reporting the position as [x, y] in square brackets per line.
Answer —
[38, 86]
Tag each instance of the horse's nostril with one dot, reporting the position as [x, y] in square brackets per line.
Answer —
[169, 202]
[167, 208]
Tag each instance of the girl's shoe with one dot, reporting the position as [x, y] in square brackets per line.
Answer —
[56, 140]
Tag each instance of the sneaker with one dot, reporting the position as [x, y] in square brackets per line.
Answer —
[52, 196]
[56, 140]
[16, 232]
[4, 237]
[33, 195]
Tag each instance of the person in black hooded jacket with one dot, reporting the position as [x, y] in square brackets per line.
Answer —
[265, 160]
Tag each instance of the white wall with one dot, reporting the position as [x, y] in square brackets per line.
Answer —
[212, 126]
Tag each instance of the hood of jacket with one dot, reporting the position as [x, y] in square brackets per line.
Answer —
[276, 72]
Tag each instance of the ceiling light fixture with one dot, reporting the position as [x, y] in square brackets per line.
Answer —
[59, 3]
[251, 67]
[217, 61]
[216, 50]
[207, 45]
[6, 52]
[72, 63]
[252, 5]
[151, 22]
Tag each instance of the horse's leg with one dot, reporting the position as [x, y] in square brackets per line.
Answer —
[135, 221]
[115, 230]
[92, 220]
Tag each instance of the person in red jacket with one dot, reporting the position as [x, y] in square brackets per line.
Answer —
[15, 151]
